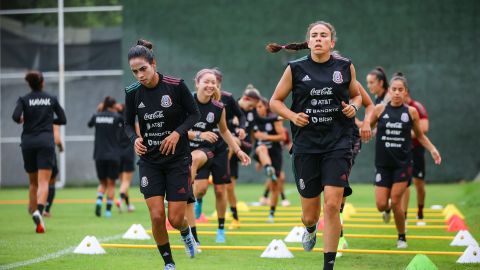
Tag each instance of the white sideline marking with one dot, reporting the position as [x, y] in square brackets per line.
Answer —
[53, 255]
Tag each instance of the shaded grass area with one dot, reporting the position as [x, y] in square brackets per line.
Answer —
[72, 222]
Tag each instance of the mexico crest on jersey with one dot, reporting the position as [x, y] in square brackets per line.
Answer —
[404, 117]
[268, 127]
[210, 117]
[166, 101]
[337, 77]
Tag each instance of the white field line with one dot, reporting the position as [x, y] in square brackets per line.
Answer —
[53, 255]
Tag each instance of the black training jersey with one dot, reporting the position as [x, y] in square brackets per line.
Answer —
[108, 132]
[231, 110]
[393, 146]
[38, 108]
[267, 125]
[210, 115]
[161, 110]
[250, 117]
[380, 99]
[318, 91]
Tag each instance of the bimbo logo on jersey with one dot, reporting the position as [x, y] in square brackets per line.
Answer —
[337, 77]
[166, 101]
[210, 117]
[39, 102]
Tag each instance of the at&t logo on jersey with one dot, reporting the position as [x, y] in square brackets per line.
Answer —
[166, 101]
[210, 117]
[337, 77]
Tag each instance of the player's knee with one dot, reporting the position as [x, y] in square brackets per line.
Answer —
[157, 217]
[331, 208]
[382, 205]
[176, 220]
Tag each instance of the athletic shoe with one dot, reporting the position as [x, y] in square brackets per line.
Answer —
[198, 210]
[270, 171]
[47, 214]
[271, 219]
[220, 236]
[108, 214]
[119, 205]
[98, 209]
[198, 248]
[342, 243]
[264, 201]
[37, 218]
[169, 266]
[402, 244]
[190, 244]
[131, 208]
[235, 224]
[386, 217]
[309, 239]
[285, 203]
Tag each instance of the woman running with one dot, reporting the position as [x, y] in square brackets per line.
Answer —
[377, 83]
[108, 129]
[36, 112]
[166, 110]
[209, 152]
[268, 150]
[393, 152]
[51, 184]
[325, 99]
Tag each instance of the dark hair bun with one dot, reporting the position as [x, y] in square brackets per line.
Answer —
[145, 43]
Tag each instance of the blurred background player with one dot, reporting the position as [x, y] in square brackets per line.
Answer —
[51, 184]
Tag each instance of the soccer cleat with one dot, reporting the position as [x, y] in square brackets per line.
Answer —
[402, 244]
[169, 266]
[235, 224]
[131, 208]
[47, 214]
[198, 210]
[386, 217]
[190, 244]
[98, 209]
[342, 243]
[37, 218]
[198, 248]
[119, 205]
[271, 219]
[108, 214]
[286, 203]
[264, 201]
[270, 171]
[309, 239]
[220, 236]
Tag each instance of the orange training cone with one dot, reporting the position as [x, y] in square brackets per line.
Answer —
[202, 219]
[456, 224]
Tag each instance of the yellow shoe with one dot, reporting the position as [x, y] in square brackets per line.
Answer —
[235, 224]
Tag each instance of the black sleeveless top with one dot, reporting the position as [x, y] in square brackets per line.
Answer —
[210, 115]
[318, 91]
[393, 146]
[267, 125]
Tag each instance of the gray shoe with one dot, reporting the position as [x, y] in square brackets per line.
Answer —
[386, 217]
[169, 266]
[309, 239]
[190, 244]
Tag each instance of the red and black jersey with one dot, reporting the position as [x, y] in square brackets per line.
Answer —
[422, 113]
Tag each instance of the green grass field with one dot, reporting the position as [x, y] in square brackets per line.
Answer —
[72, 222]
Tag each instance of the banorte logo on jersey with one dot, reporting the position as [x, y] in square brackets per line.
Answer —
[166, 101]
[210, 117]
[337, 77]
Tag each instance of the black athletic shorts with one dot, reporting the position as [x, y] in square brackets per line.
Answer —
[35, 159]
[127, 160]
[313, 172]
[172, 179]
[247, 148]
[218, 166]
[387, 176]
[276, 157]
[191, 197]
[418, 154]
[107, 169]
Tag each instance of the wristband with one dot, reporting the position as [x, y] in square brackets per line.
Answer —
[354, 106]
[197, 135]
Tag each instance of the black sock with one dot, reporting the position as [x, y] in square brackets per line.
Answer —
[51, 196]
[234, 212]
[265, 194]
[166, 253]
[311, 229]
[194, 232]
[420, 211]
[388, 211]
[329, 260]
[402, 236]
[272, 210]
[282, 195]
[40, 208]
[127, 200]
[99, 197]
[341, 207]
[122, 196]
[221, 223]
[186, 231]
[199, 200]
[405, 215]
[109, 205]
[341, 232]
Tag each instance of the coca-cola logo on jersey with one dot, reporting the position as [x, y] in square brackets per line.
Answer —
[152, 116]
[321, 92]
